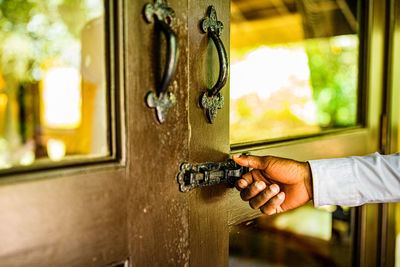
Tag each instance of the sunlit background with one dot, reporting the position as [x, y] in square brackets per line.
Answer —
[288, 81]
[294, 72]
[52, 81]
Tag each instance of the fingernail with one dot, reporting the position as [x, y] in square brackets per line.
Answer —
[274, 188]
[242, 183]
[260, 185]
[281, 195]
[271, 212]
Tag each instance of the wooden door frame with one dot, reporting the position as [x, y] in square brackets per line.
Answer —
[390, 136]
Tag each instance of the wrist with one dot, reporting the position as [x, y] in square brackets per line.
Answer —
[308, 183]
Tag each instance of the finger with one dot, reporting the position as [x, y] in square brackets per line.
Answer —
[241, 184]
[252, 190]
[247, 179]
[263, 197]
[250, 161]
[274, 205]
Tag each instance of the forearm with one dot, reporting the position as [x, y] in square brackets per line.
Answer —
[355, 181]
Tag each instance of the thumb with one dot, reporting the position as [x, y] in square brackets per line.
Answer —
[254, 162]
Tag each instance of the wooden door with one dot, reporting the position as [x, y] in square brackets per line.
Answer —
[73, 211]
[261, 239]
[126, 208]
[165, 226]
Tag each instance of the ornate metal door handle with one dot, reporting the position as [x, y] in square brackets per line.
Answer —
[165, 16]
[211, 173]
[212, 100]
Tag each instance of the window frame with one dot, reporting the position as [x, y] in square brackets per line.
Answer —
[390, 137]
[115, 113]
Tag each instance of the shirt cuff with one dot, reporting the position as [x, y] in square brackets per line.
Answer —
[334, 182]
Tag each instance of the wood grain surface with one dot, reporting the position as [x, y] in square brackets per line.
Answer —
[209, 234]
[157, 212]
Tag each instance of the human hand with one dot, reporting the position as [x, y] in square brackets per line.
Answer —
[275, 184]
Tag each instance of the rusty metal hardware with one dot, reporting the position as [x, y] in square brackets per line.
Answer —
[212, 100]
[164, 16]
[194, 175]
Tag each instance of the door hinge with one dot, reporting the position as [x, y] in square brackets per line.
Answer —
[194, 175]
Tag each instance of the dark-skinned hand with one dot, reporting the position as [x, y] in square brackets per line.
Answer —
[275, 184]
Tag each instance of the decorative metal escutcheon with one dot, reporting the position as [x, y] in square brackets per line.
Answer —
[211, 104]
[164, 16]
[194, 175]
[212, 100]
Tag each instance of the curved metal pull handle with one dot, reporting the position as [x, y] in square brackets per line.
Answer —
[212, 100]
[162, 100]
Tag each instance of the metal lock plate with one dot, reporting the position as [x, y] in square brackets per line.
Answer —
[193, 175]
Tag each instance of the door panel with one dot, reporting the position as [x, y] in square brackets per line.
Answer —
[75, 215]
[165, 225]
[157, 212]
[68, 220]
[208, 142]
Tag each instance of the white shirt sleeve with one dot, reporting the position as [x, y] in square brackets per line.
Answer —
[355, 181]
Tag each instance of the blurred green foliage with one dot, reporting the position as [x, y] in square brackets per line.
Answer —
[333, 75]
[243, 109]
[34, 36]
[32, 31]
[333, 67]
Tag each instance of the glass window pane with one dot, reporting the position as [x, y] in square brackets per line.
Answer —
[53, 102]
[302, 237]
[294, 68]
